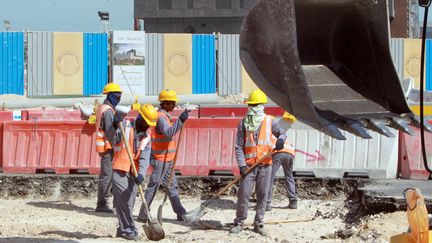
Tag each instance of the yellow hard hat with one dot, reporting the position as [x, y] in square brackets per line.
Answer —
[289, 117]
[167, 95]
[111, 87]
[149, 113]
[257, 97]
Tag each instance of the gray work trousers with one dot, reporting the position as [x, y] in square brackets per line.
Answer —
[261, 176]
[161, 174]
[105, 178]
[286, 160]
[125, 192]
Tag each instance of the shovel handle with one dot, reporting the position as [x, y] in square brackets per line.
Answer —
[134, 170]
[232, 183]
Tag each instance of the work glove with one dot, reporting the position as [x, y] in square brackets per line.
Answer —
[118, 117]
[184, 115]
[139, 179]
[279, 144]
[243, 170]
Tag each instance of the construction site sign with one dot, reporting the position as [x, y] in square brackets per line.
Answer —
[128, 62]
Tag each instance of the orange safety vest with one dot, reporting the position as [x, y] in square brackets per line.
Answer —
[102, 144]
[163, 147]
[264, 144]
[121, 158]
[288, 148]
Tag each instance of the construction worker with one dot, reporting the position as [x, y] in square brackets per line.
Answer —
[253, 141]
[163, 152]
[284, 157]
[105, 132]
[124, 183]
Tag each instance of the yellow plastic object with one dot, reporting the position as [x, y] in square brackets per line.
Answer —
[257, 97]
[149, 113]
[111, 87]
[289, 117]
[178, 62]
[167, 95]
[92, 119]
[67, 63]
[136, 105]
[404, 238]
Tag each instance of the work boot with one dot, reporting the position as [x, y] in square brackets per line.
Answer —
[292, 204]
[236, 229]
[131, 237]
[103, 209]
[260, 230]
[268, 207]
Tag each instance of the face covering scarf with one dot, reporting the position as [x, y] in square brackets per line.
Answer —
[254, 118]
[114, 98]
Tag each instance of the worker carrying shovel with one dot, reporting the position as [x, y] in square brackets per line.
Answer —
[163, 152]
[254, 140]
[105, 132]
[124, 182]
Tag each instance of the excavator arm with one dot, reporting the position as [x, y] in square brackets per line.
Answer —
[327, 62]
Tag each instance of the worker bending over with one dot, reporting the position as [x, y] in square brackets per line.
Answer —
[104, 139]
[284, 157]
[254, 140]
[124, 183]
[163, 151]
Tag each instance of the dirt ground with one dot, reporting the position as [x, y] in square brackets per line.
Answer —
[74, 220]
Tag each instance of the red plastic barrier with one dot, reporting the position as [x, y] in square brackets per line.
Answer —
[235, 111]
[207, 146]
[174, 113]
[60, 146]
[51, 115]
[410, 155]
[4, 116]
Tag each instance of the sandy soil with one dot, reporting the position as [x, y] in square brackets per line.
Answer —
[40, 220]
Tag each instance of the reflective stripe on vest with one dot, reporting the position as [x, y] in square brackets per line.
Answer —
[264, 143]
[102, 144]
[142, 145]
[163, 147]
[121, 158]
[288, 148]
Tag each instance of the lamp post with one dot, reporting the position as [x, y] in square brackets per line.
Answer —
[104, 18]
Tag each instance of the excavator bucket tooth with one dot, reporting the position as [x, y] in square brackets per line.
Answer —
[347, 124]
[400, 124]
[311, 56]
[415, 121]
[379, 127]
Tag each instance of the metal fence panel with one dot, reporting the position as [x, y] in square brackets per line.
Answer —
[12, 63]
[39, 63]
[397, 52]
[228, 65]
[95, 62]
[203, 64]
[428, 65]
[154, 63]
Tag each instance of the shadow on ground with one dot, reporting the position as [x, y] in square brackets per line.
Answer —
[68, 206]
[33, 240]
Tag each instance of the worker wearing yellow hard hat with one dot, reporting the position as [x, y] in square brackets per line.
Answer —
[254, 143]
[125, 181]
[285, 158]
[163, 152]
[106, 121]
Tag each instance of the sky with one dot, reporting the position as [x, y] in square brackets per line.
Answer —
[65, 15]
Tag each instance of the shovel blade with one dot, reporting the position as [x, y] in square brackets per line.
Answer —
[195, 214]
[154, 231]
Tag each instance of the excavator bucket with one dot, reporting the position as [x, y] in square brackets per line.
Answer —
[328, 63]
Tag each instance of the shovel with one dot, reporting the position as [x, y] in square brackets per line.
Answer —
[159, 212]
[153, 229]
[198, 212]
